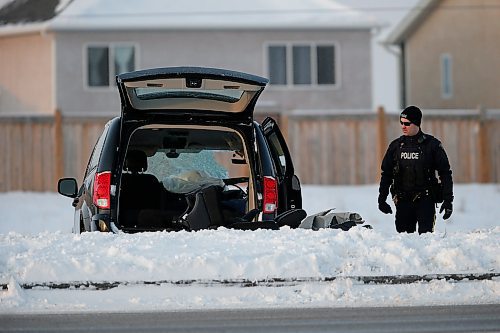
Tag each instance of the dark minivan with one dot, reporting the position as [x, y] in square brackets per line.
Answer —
[186, 154]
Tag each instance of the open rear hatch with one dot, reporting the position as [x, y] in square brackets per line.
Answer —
[192, 92]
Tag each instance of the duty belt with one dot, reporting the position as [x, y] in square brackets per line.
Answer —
[413, 195]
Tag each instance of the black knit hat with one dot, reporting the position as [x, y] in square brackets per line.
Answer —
[413, 114]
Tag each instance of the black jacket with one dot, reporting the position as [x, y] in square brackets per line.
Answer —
[423, 155]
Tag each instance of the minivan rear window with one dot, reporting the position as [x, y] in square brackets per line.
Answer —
[229, 96]
[204, 94]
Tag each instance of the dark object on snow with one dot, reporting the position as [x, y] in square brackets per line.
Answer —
[326, 219]
[291, 218]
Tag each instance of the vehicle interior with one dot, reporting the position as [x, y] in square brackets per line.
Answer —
[184, 178]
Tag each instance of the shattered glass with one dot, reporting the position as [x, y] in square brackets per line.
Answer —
[188, 171]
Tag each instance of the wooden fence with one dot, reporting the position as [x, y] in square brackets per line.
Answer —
[347, 147]
[38, 150]
[327, 147]
[27, 153]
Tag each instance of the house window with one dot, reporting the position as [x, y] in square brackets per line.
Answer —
[301, 64]
[277, 65]
[446, 76]
[106, 61]
[301, 59]
[325, 57]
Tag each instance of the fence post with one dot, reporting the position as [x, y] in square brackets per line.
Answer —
[381, 136]
[484, 147]
[58, 144]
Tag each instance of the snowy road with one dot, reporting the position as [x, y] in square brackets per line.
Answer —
[477, 318]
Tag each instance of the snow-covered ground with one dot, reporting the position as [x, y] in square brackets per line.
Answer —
[36, 245]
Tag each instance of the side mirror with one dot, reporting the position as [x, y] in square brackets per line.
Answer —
[67, 187]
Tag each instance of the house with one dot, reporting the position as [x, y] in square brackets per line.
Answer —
[64, 54]
[59, 58]
[450, 54]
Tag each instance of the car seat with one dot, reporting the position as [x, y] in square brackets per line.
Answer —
[203, 208]
[139, 191]
[207, 209]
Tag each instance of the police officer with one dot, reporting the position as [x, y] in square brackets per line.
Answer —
[409, 173]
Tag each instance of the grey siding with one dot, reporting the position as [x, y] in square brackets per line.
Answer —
[237, 50]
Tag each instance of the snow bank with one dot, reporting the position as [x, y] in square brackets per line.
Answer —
[36, 246]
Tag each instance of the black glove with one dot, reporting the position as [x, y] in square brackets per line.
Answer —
[384, 206]
[447, 206]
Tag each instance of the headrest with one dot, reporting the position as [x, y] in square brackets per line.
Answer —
[136, 161]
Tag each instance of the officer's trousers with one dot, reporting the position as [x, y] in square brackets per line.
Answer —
[410, 213]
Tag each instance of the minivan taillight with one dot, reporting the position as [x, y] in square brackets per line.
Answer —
[270, 196]
[102, 186]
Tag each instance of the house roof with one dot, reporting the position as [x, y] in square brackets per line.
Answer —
[19, 16]
[411, 21]
[26, 11]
